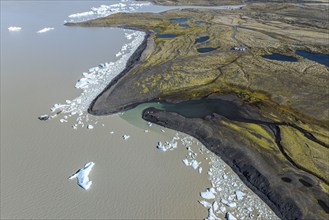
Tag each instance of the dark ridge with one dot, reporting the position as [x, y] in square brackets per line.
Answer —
[305, 183]
[132, 61]
[235, 158]
[286, 179]
[323, 205]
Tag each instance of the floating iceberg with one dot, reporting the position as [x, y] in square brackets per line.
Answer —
[239, 195]
[229, 216]
[211, 215]
[167, 145]
[14, 29]
[44, 30]
[105, 10]
[207, 195]
[205, 203]
[125, 137]
[82, 176]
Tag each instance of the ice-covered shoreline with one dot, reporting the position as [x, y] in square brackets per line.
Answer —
[96, 80]
[106, 10]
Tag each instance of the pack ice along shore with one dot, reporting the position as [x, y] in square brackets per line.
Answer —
[266, 118]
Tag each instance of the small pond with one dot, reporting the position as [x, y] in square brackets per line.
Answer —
[201, 39]
[178, 20]
[166, 35]
[184, 25]
[317, 57]
[206, 49]
[280, 57]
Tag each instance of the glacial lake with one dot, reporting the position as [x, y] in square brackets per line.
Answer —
[280, 57]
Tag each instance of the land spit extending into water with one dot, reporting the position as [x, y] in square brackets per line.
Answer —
[278, 140]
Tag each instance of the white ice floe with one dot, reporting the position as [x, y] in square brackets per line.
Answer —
[207, 195]
[215, 206]
[83, 176]
[168, 145]
[229, 216]
[44, 30]
[205, 203]
[211, 215]
[13, 29]
[239, 195]
[125, 137]
[105, 10]
[228, 203]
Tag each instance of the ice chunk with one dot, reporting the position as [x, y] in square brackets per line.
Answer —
[205, 203]
[229, 216]
[44, 117]
[229, 204]
[44, 30]
[13, 29]
[186, 162]
[215, 206]
[207, 195]
[211, 215]
[222, 209]
[161, 147]
[239, 195]
[194, 164]
[83, 176]
[125, 137]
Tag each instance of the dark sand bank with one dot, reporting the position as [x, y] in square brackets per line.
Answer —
[257, 169]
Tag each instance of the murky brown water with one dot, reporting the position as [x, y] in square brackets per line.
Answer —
[131, 179]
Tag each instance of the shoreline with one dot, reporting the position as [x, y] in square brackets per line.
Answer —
[132, 62]
[241, 159]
